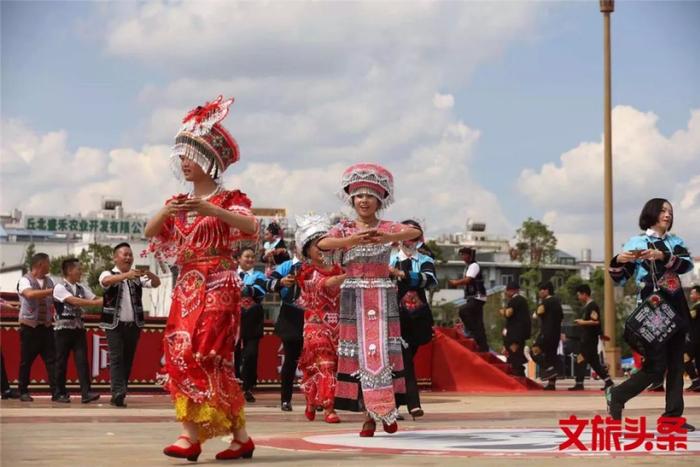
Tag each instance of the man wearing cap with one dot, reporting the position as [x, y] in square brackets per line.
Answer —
[472, 313]
[517, 329]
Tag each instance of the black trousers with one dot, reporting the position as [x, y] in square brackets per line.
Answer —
[34, 342]
[248, 350]
[589, 352]
[74, 340]
[122, 342]
[472, 315]
[412, 394]
[692, 351]
[515, 358]
[5, 381]
[548, 356]
[668, 360]
[292, 351]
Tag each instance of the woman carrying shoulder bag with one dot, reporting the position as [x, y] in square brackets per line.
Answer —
[655, 259]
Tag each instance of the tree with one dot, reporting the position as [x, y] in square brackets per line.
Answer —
[31, 251]
[93, 260]
[439, 256]
[535, 243]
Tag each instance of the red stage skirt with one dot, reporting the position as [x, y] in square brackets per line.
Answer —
[198, 346]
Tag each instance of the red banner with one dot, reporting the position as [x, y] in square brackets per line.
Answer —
[149, 355]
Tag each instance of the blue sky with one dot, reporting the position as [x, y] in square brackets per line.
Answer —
[535, 96]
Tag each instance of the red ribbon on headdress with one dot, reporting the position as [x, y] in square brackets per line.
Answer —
[202, 112]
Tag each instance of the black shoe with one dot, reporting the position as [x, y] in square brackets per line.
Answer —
[249, 397]
[657, 386]
[548, 373]
[286, 406]
[614, 407]
[10, 394]
[118, 400]
[550, 387]
[576, 387]
[319, 408]
[416, 412]
[62, 398]
[608, 384]
[687, 427]
[26, 397]
[89, 397]
[695, 387]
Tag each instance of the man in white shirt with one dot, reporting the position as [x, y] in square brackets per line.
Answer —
[472, 313]
[35, 290]
[122, 316]
[70, 296]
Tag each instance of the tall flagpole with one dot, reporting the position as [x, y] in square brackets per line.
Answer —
[612, 352]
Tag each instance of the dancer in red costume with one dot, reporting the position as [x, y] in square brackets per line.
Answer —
[320, 291]
[370, 365]
[199, 232]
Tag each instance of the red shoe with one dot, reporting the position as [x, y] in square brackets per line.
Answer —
[332, 417]
[390, 428]
[245, 450]
[191, 453]
[310, 413]
[368, 429]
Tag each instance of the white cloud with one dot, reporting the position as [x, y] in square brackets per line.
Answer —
[40, 175]
[318, 86]
[205, 39]
[443, 101]
[646, 164]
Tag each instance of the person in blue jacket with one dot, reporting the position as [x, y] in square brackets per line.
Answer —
[289, 326]
[414, 272]
[655, 259]
[252, 320]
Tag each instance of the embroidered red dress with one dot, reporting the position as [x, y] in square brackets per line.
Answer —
[319, 357]
[204, 316]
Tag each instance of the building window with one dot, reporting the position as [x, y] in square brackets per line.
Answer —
[506, 278]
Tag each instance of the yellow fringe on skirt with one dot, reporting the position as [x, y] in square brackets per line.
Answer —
[211, 421]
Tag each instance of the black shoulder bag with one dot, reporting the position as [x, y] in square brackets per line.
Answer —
[653, 322]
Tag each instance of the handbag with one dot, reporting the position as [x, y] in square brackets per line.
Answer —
[653, 322]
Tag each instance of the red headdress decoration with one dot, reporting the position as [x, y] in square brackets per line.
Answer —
[204, 140]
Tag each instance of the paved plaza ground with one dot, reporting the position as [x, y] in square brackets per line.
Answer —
[458, 429]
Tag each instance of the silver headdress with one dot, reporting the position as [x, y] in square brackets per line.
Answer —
[370, 179]
[310, 227]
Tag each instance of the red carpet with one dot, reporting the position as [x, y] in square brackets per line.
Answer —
[457, 368]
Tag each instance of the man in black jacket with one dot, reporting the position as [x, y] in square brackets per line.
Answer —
[589, 326]
[517, 329]
[544, 350]
[691, 356]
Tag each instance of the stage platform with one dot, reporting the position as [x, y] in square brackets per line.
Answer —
[481, 429]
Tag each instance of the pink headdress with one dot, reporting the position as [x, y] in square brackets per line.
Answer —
[205, 141]
[370, 179]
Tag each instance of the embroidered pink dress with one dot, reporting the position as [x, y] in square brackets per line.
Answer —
[370, 365]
